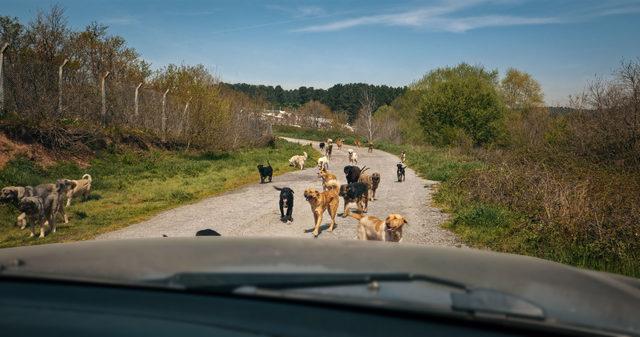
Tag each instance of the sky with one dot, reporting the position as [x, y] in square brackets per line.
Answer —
[564, 44]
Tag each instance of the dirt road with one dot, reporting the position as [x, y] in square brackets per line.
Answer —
[253, 210]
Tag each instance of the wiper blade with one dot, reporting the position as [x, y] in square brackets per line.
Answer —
[228, 282]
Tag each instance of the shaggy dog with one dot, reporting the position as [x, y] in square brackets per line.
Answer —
[375, 181]
[265, 172]
[354, 193]
[353, 157]
[339, 143]
[328, 151]
[365, 178]
[80, 187]
[328, 179]
[352, 173]
[321, 145]
[36, 214]
[403, 157]
[207, 232]
[372, 228]
[14, 194]
[286, 200]
[320, 202]
[298, 160]
[323, 163]
[401, 175]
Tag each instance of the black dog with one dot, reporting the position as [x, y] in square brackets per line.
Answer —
[286, 199]
[265, 172]
[352, 173]
[321, 146]
[401, 172]
[207, 232]
[357, 192]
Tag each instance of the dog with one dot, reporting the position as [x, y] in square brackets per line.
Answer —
[321, 202]
[370, 147]
[339, 143]
[375, 182]
[401, 174]
[36, 214]
[353, 157]
[357, 143]
[80, 187]
[323, 163]
[328, 151]
[352, 173]
[403, 157]
[298, 160]
[329, 141]
[14, 194]
[321, 145]
[354, 193]
[328, 179]
[265, 172]
[286, 200]
[365, 178]
[372, 228]
[206, 232]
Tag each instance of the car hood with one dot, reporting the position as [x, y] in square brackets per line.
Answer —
[567, 294]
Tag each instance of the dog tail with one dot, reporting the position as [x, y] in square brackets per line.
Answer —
[356, 216]
[268, 163]
[87, 177]
[278, 188]
[364, 168]
[305, 154]
[333, 184]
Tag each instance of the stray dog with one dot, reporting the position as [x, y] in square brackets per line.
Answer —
[370, 148]
[375, 182]
[365, 178]
[328, 179]
[323, 163]
[352, 173]
[403, 157]
[286, 200]
[329, 141]
[36, 214]
[353, 157]
[298, 160]
[265, 172]
[80, 187]
[354, 193]
[401, 175]
[339, 143]
[14, 194]
[328, 151]
[321, 201]
[207, 232]
[357, 143]
[321, 145]
[372, 228]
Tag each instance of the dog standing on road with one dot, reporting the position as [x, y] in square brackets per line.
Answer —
[353, 157]
[339, 143]
[321, 202]
[372, 228]
[370, 147]
[354, 193]
[401, 173]
[298, 160]
[328, 151]
[323, 163]
[286, 200]
[321, 146]
[352, 173]
[265, 172]
[375, 182]
[403, 157]
[80, 187]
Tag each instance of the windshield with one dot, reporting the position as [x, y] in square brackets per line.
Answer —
[464, 127]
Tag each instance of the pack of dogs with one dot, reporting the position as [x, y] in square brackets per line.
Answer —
[40, 205]
[359, 190]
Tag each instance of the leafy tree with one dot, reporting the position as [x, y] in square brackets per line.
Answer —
[520, 91]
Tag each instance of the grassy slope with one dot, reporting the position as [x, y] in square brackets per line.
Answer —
[132, 186]
[486, 225]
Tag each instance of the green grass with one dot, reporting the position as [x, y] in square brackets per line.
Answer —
[132, 186]
[315, 134]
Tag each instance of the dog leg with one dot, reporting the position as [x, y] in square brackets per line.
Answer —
[318, 218]
[282, 218]
[22, 220]
[333, 209]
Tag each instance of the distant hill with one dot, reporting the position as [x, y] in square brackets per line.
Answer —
[340, 97]
[559, 110]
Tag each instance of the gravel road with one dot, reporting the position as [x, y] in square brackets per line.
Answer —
[253, 210]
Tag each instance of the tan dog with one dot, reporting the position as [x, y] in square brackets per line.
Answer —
[375, 182]
[339, 143]
[372, 228]
[357, 143]
[321, 201]
[328, 179]
[298, 160]
[80, 187]
[365, 178]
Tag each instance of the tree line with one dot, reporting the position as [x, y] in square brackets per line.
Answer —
[340, 98]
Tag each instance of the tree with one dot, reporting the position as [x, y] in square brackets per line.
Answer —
[364, 123]
[314, 113]
[520, 91]
[461, 103]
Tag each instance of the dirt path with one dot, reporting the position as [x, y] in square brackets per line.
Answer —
[253, 210]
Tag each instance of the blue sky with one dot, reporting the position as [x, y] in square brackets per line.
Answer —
[562, 43]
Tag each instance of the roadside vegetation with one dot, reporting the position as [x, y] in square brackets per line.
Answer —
[132, 185]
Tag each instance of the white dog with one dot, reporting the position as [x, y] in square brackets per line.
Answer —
[298, 160]
[353, 157]
[323, 162]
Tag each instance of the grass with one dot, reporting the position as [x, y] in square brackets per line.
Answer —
[132, 186]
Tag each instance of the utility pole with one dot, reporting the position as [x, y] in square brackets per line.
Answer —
[164, 116]
[104, 98]
[135, 100]
[2, 48]
[60, 86]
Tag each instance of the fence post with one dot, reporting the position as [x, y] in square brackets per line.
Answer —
[164, 116]
[2, 48]
[60, 86]
[104, 98]
[135, 100]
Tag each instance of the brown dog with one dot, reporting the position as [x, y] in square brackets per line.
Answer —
[357, 143]
[372, 228]
[321, 201]
[339, 143]
[365, 178]
[328, 178]
[375, 182]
